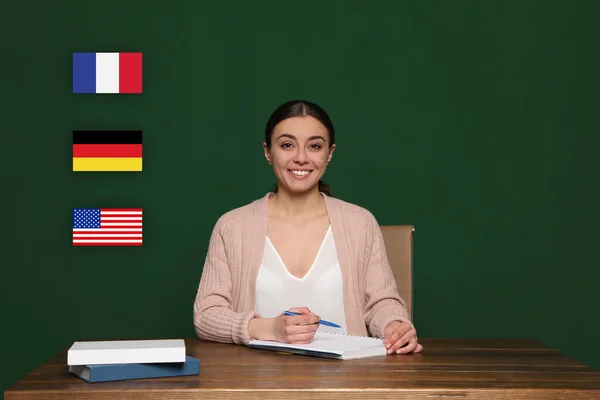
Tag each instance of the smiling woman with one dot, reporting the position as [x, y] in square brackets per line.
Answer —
[299, 249]
[316, 131]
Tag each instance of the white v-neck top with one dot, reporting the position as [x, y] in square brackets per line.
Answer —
[321, 289]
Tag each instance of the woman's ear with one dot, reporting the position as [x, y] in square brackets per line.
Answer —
[330, 153]
[267, 154]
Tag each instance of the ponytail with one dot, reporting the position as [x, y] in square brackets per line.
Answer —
[325, 188]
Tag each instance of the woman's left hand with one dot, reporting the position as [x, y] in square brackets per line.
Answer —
[401, 338]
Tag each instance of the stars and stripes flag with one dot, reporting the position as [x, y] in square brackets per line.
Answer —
[107, 227]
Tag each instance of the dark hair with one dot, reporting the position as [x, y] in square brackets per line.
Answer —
[299, 108]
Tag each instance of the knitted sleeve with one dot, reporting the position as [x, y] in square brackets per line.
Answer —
[214, 318]
[383, 303]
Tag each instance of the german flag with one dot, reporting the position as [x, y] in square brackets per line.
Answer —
[107, 150]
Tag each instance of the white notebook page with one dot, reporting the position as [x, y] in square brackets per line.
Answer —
[343, 345]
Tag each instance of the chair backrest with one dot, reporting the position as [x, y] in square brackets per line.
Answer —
[398, 241]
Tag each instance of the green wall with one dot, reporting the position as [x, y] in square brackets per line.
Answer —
[476, 121]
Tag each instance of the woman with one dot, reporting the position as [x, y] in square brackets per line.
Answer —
[299, 249]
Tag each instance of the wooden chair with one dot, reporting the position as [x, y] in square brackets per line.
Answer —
[398, 241]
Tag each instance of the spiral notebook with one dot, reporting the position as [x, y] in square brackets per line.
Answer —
[329, 345]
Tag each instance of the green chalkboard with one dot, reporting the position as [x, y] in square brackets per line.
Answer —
[476, 121]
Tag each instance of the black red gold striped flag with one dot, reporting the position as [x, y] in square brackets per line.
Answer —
[107, 150]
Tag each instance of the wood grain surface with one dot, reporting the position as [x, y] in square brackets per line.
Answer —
[447, 369]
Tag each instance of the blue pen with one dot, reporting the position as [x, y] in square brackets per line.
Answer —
[327, 323]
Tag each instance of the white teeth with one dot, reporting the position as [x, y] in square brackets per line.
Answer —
[300, 173]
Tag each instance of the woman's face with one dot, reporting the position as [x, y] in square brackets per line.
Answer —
[299, 153]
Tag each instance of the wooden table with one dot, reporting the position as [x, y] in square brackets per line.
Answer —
[447, 369]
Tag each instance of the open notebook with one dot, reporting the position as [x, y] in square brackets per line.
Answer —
[330, 345]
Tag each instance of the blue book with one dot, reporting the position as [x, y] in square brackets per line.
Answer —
[122, 372]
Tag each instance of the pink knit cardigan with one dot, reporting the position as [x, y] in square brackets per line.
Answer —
[224, 302]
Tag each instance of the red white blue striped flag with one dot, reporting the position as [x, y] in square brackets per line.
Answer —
[107, 227]
[107, 72]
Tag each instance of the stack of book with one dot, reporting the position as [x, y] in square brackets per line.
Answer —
[117, 360]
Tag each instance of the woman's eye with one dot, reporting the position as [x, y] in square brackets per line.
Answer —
[315, 146]
[286, 145]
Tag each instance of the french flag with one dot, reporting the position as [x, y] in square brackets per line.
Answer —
[107, 72]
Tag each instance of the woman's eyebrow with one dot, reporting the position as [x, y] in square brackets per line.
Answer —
[288, 135]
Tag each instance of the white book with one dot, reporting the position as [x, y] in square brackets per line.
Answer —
[126, 352]
[329, 345]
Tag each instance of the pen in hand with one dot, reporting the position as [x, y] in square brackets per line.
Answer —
[322, 322]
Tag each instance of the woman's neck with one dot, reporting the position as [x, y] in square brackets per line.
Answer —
[296, 206]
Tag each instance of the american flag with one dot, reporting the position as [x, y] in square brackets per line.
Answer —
[107, 227]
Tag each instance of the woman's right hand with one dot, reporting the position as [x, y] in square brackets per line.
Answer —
[296, 328]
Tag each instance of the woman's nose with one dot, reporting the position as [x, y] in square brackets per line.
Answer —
[300, 156]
